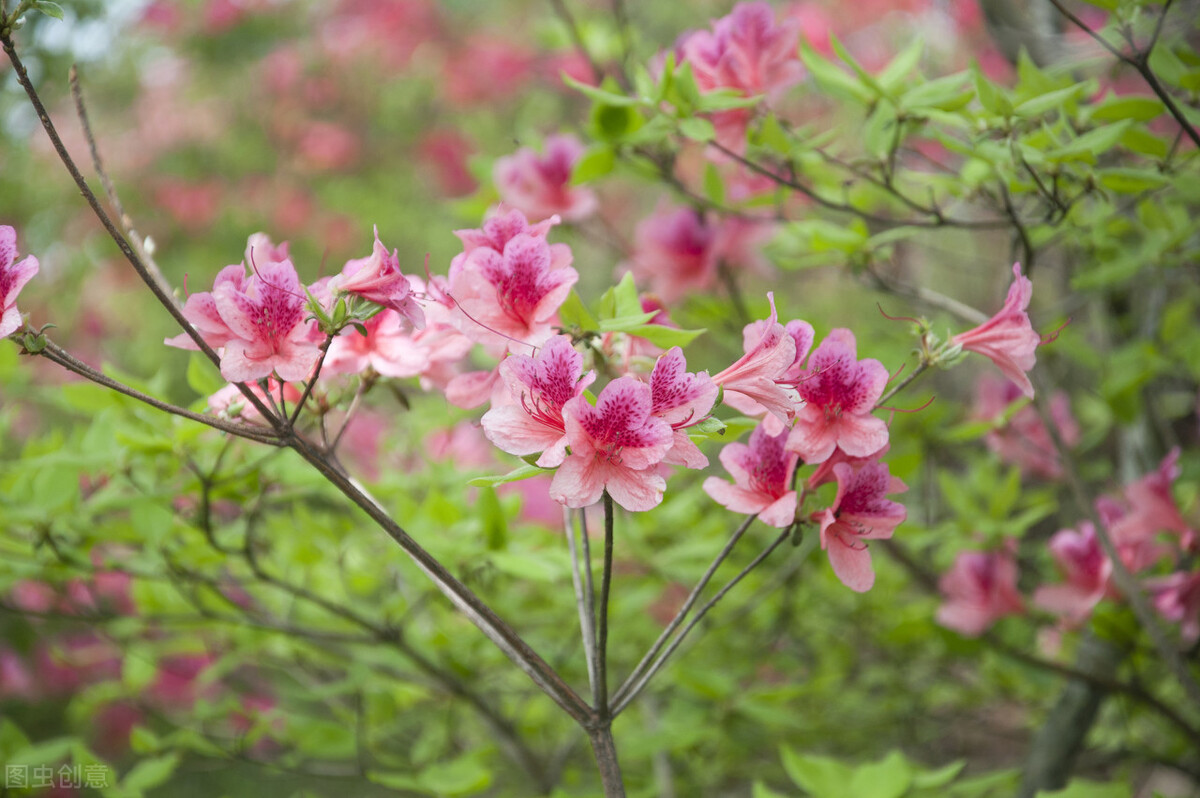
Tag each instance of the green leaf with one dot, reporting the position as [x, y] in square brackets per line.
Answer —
[597, 161]
[516, 475]
[627, 324]
[1092, 143]
[1139, 109]
[761, 790]
[202, 376]
[947, 94]
[495, 524]
[462, 776]
[48, 752]
[822, 776]
[534, 566]
[697, 129]
[601, 95]
[726, 100]
[830, 77]
[991, 96]
[666, 337]
[904, 62]
[863, 75]
[150, 773]
[931, 779]
[143, 741]
[573, 313]
[890, 777]
[621, 301]
[714, 185]
[615, 122]
[1036, 106]
[1131, 181]
[49, 9]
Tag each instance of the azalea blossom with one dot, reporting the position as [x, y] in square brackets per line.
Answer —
[1024, 440]
[540, 386]
[1087, 571]
[500, 227]
[746, 51]
[540, 185]
[979, 589]
[860, 512]
[1008, 337]
[751, 382]
[511, 296]
[615, 446]
[839, 393]
[264, 316]
[378, 278]
[762, 472]
[1147, 509]
[682, 400]
[14, 275]
[1177, 597]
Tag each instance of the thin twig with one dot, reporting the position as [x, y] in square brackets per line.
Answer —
[164, 298]
[681, 615]
[602, 631]
[632, 693]
[60, 356]
[921, 368]
[585, 625]
[109, 189]
[312, 381]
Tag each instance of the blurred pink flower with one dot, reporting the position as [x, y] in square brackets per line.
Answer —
[762, 478]
[1008, 338]
[486, 70]
[1087, 571]
[446, 152]
[615, 447]
[540, 185]
[839, 393]
[539, 386]
[193, 206]
[861, 511]
[328, 147]
[14, 275]
[979, 589]
[1177, 597]
[674, 253]
[230, 402]
[1024, 441]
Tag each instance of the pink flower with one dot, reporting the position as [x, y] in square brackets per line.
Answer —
[379, 279]
[745, 50]
[860, 512]
[1008, 337]
[748, 52]
[980, 588]
[751, 382]
[511, 296]
[541, 185]
[839, 393]
[265, 317]
[1024, 441]
[762, 478]
[682, 400]
[386, 348]
[1087, 571]
[615, 447]
[673, 253]
[541, 386]
[13, 277]
[1177, 597]
[1153, 505]
[500, 227]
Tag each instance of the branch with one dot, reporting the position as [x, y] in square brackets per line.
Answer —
[586, 619]
[681, 616]
[164, 298]
[57, 354]
[601, 698]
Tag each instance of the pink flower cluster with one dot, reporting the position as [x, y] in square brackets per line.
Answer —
[540, 185]
[981, 587]
[14, 274]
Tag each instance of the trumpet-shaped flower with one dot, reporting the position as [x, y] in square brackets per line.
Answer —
[1087, 571]
[264, 314]
[751, 382]
[682, 400]
[839, 393]
[980, 588]
[861, 511]
[540, 185]
[762, 478]
[511, 296]
[540, 386]
[500, 228]
[615, 446]
[14, 275]
[378, 278]
[1177, 597]
[1008, 338]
